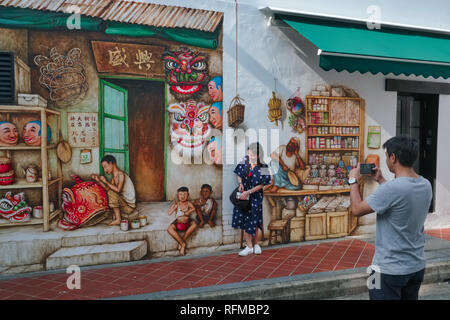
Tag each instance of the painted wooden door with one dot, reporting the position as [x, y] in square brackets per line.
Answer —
[114, 124]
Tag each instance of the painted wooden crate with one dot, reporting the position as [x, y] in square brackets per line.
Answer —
[297, 232]
[337, 224]
[316, 226]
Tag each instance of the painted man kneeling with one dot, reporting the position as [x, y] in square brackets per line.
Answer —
[121, 193]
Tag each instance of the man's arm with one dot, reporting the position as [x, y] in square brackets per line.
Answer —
[115, 187]
[359, 206]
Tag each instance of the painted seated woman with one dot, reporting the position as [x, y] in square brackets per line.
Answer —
[32, 133]
[9, 135]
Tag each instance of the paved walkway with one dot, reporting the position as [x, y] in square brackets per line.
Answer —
[168, 274]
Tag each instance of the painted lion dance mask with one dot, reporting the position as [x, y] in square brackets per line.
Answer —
[190, 129]
[186, 72]
[14, 208]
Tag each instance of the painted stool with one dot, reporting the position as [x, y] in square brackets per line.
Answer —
[280, 227]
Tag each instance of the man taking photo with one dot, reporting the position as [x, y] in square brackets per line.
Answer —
[401, 206]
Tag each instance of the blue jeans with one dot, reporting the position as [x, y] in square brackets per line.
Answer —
[398, 287]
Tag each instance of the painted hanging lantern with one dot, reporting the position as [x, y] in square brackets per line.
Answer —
[274, 108]
[297, 108]
[186, 72]
[190, 129]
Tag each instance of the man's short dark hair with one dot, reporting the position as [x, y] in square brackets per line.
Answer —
[183, 189]
[207, 186]
[405, 148]
[109, 159]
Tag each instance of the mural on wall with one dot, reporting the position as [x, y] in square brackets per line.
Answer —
[317, 203]
[128, 58]
[216, 120]
[287, 166]
[84, 204]
[14, 207]
[297, 108]
[190, 128]
[32, 133]
[9, 135]
[82, 129]
[186, 73]
[215, 150]
[63, 76]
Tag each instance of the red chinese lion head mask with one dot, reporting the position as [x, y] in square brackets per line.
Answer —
[186, 72]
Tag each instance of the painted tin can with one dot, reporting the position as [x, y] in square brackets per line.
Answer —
[143, 220]
[135, 224]
[124, 225]
[37, 212]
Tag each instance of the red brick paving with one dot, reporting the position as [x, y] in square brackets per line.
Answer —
[193, 273]
[439, 233]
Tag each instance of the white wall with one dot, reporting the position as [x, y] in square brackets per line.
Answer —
[265, 53]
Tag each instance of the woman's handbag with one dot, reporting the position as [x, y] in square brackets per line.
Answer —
[243, 205]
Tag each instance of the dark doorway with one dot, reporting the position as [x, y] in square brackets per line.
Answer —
[417, 116]
[146, 114]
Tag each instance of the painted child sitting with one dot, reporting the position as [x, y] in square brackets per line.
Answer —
[206, 207]
[183, 222]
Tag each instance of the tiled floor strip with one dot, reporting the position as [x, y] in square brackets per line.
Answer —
[192, 273]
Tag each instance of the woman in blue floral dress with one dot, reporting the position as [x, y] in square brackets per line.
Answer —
[252, 175]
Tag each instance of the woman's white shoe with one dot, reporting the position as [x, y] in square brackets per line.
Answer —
[246, 251]
[257, 249]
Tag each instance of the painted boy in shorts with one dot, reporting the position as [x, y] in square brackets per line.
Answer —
[183, 223]
[206, 207]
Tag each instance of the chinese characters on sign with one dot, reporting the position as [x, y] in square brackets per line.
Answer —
[115, 57]
[83, 129]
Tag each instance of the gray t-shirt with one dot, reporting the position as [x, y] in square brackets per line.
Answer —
[402, 205]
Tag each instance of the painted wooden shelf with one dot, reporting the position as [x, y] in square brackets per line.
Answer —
[21, 183]
[285, 193]
[334, 135]
[332, 125]
[32, 221]
[19, 108]
[332, 98]
[23, 146]
[335, 149]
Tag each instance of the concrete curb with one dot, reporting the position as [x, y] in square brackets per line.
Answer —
[323, 285]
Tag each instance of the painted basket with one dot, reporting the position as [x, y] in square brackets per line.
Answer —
[236, 112]
[7, 178]
[5, 165]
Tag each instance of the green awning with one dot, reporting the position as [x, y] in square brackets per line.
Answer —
[192, 37]
[11, 17]
[354, 47]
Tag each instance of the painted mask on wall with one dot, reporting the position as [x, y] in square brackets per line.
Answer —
[32, 133]
[14, 208]
[215, 89]
[215, 150]
[186, 72]
[190, 128]
[9, 136]
[215, 115]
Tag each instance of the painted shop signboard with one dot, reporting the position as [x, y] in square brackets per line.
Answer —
[138, 59]
[83, 129]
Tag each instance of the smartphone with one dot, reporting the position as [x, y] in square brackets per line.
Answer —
[366, 168]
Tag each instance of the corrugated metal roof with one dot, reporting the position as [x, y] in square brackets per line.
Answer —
[129, 12]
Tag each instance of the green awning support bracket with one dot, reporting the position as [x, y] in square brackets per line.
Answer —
[12, 17]
[354, 47]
